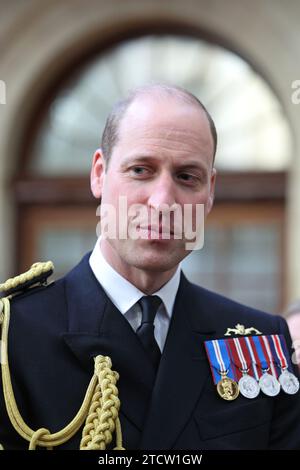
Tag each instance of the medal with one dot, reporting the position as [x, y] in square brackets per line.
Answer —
[288, 381]
[268, 383]
[227, 388]
[249, 364]
[222, 371]
[248, 386]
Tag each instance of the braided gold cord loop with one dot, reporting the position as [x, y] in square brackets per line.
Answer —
[103, 413]
[99, 410]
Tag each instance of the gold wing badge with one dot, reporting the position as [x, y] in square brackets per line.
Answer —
[241, 330]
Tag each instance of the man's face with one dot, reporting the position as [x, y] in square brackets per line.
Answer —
[163, 157]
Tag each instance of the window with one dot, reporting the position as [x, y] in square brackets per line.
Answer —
[253, 132]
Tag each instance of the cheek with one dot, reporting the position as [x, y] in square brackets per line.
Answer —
[111, 190]
[199, 197]
[200, 204]
[206, 199]
[120, 194]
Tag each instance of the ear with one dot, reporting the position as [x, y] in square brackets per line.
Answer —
[97, 173]
[211, 196]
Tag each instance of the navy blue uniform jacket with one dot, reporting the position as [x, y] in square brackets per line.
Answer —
[56, 331]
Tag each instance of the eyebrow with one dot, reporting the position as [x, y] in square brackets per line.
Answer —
[191, 165]
[137, 159]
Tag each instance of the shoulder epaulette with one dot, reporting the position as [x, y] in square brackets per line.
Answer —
[36, 275]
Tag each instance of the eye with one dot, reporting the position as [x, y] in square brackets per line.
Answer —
[185, 176]
[188, 178]
[139, 171]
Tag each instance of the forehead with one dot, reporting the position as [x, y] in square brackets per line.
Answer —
[167, 120]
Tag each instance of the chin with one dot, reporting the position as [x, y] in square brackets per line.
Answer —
[155, 267]
[155, 262]
[151, 255]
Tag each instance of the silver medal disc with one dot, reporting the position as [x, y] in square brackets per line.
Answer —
[289, 382]
[248, 386]
[269, 385]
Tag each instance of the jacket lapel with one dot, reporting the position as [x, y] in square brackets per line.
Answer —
[97, 327]
[182, 373]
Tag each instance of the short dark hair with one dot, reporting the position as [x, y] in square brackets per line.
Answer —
[111, 129]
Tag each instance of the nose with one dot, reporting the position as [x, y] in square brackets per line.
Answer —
[163, 192]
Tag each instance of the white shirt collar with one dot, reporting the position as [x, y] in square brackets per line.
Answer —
[113, 283]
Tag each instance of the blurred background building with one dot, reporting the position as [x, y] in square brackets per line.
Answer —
[62, 65]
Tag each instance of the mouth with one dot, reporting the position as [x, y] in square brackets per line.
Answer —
[156, 232]
[160, 229]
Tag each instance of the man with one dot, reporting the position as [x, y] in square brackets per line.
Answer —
[157, 151]
[293, 321]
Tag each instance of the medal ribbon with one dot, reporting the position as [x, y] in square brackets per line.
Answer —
[238, 357]
[246, 345]
[261, 358]
[219, 359]
[280, 349]
[242, 357]
[268, 353]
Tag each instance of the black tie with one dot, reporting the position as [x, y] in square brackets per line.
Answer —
[145, 331]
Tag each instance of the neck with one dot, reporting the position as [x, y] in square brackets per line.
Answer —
[147, 281]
